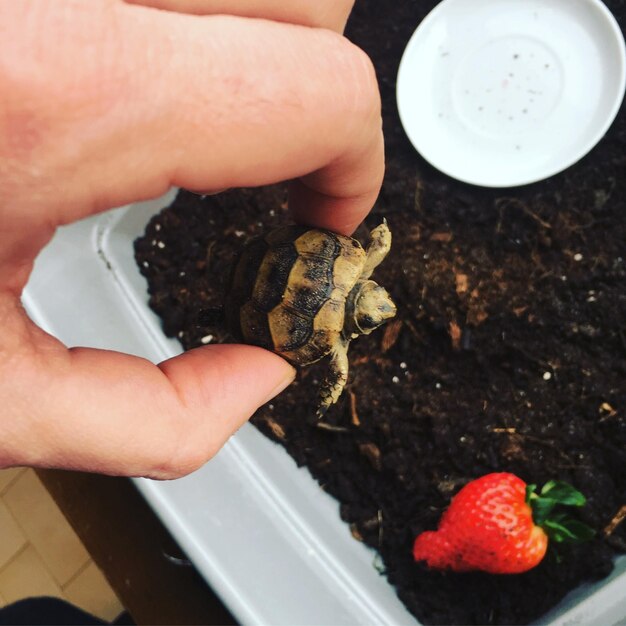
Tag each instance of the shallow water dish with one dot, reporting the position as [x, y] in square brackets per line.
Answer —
[503, 93]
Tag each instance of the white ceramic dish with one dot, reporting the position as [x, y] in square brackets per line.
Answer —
[501, 93]
[259, 529]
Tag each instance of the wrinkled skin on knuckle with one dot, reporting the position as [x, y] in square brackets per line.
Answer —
[189, 430]
[183, 456]
[172, 469]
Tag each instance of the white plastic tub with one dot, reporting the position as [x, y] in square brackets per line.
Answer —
[260, 530]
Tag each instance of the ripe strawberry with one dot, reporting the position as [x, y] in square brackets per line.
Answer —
[489, 526]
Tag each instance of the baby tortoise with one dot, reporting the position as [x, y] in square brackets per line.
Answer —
[305, 293]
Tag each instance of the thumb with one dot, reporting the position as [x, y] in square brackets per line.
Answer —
[113, 413]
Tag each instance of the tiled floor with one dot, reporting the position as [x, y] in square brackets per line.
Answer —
[40, 554]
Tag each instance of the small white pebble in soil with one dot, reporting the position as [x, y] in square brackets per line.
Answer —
[395, 379]
[272, 212]
[181, 274]
[591, 299]
[179, 334]
[206, 339]
[403, 365]
[463, 439]
[578, 257]
[146, 264]
[438, 386]
[270, 407]
[563, 278]
[157, 227]
[547, 375]
[161, 245]
[239, 233]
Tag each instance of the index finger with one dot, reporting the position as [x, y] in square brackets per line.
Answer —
[331, 14]
[125, 101]
[340, 195]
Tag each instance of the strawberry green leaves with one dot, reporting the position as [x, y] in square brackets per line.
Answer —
[557, 524]
[563, 493]
[564, 529]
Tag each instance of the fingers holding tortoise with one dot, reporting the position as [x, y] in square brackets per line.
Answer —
[331, 14]
[120, 102]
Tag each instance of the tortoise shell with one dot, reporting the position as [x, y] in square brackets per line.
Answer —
[288, 291]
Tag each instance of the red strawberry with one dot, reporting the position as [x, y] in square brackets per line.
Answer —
[489, 526]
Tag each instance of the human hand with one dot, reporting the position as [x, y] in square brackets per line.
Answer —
[103, 103]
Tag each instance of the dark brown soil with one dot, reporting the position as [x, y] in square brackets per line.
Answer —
[508, 353]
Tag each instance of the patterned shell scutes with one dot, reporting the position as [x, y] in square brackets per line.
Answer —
[289, 290]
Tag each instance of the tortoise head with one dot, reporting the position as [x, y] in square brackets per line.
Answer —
[369, 306]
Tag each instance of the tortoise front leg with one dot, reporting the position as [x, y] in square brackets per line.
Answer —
[377, 249]
[336, 379]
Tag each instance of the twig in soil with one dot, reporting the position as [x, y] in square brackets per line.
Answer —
[275, 427]
[505, 203]
[530, 357]
[535, 217]
[454, 330]
[372, 453]
[618, 518]
[417, 198]
[608, 411]
[542, 442]
[413, 331]
[380, 361]
[331, 428]
[390, 336]
[354, 416]
[209, 254]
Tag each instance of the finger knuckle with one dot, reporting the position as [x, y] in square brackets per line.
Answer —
[358, 81]
[180, 462]
[186, 449]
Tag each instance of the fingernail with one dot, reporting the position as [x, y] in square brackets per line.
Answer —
[284, 383]
[209, 192]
